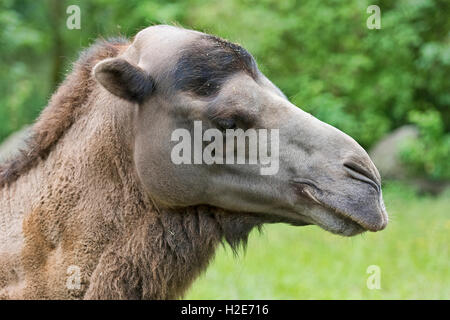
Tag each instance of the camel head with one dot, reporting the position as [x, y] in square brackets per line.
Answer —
[196, 99]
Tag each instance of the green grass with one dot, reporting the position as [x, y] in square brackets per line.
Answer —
[286, 262]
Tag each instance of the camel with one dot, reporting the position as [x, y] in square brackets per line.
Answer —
[95, 194]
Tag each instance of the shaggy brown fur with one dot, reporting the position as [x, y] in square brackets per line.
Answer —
[167, 253]
[92, 213]
[64, 108]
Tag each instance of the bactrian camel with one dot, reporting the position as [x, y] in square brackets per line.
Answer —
[95, 190]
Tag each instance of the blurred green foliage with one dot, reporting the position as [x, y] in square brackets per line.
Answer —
[429, 155]
[320, 53]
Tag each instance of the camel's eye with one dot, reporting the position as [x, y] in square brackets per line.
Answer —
[225, 124]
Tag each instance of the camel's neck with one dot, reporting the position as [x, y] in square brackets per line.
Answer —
[172, 249]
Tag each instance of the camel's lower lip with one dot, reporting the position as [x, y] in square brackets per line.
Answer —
[347, 226]
[344, 217]
[351, 227]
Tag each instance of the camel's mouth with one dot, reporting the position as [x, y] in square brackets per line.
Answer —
[342, 219]
[341, 223]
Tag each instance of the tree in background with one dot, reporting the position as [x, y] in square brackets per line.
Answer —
[320, 53]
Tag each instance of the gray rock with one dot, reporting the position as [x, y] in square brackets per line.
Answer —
[386, 153]
[386, 156]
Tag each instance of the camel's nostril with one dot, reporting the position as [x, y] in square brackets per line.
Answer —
[360, 169]
[360, 172]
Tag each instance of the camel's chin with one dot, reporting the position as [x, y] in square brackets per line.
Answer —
[323, 217]
[346, 229]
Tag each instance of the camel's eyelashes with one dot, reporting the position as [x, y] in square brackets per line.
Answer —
[124, 80]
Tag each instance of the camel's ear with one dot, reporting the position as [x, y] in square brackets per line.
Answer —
[124, 80]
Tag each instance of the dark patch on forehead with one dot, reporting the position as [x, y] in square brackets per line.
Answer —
[205, 65]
